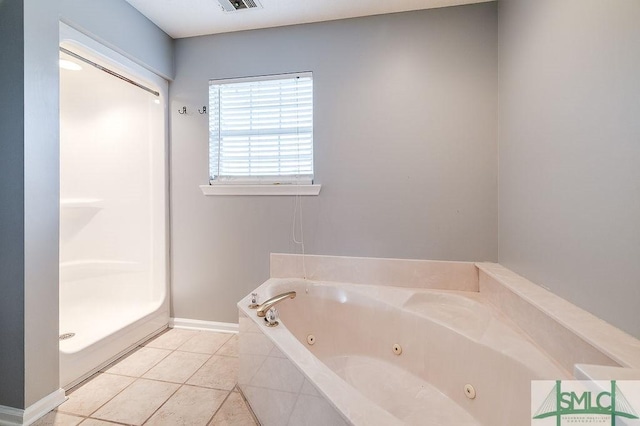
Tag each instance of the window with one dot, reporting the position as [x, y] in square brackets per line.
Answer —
[261, 130]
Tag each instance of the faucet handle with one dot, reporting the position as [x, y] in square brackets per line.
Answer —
[272, 317]
[254, 301]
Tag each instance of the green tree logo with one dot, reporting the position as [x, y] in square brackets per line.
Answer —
[608, 403]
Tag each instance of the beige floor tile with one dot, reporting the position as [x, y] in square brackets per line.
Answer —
[171, 339]
[137, 403]
[139, 362]
[205, 342]
[220, 372]
[177, 367]
[190, 406]
[96, 422]
[55, 418]
[93, 394]
[230, 348]
[234, 412]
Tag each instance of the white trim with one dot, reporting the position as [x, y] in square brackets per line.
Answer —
[192, 324]
[260, 189]
[13, 416]
[262, 180]
[10, 416]
[261, 78]
[71, 38]
[42, 407]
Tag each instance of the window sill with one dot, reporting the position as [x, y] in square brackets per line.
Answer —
[236, 189]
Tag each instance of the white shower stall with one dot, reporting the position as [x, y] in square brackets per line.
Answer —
[113, 204]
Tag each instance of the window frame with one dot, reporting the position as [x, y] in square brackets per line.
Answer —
[256, 180]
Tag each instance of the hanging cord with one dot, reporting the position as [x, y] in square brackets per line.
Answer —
[297, 203]
[297, 213]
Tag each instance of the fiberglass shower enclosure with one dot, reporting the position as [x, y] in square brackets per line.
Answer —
[113, 280]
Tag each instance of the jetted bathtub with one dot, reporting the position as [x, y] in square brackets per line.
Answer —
[386, 355]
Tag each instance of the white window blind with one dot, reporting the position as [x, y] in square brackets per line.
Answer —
[261, 129]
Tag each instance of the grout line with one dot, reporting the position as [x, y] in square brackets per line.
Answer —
[190, 338]
[146, 344]
[123, 389]
[216, 389]
[219, 408]
[192, 352]
[162, 405]
[227, 356]
[185, 383]
[198, 369]
[173, 383]
[81, 384]
[145, 371]
[246, 403]
[223, 345]
[140, 377]
[103, 404]
[102, 420]
[206, 353]
[110, 399]
[54, 411]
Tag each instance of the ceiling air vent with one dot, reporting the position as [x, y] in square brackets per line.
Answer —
[233, 5]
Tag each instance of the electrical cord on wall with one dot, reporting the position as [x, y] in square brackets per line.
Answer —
[297, 203]
[297, 212]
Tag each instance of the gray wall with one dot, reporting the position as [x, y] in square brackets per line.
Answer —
[570, 151]
[41, 199]
[405, 148]
[29, 175]
[12, 204]
[116, 24]
[29, 200]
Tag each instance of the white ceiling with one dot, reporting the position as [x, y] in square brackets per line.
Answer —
[187, 18]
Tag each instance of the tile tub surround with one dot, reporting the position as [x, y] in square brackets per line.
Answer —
[559, 331]
[278, 391]
[434, 274]
[570, 334]
[179, 377]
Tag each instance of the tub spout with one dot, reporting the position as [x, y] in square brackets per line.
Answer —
[262, 309]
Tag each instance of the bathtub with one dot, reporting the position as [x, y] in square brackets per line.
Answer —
[446, 340]
[392, 353]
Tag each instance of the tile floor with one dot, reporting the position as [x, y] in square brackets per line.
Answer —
[181, 377]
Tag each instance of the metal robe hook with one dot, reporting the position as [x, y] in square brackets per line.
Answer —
[204, 110]
[184, 110]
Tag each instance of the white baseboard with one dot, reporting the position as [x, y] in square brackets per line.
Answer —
[191, 324]
[10, 416]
